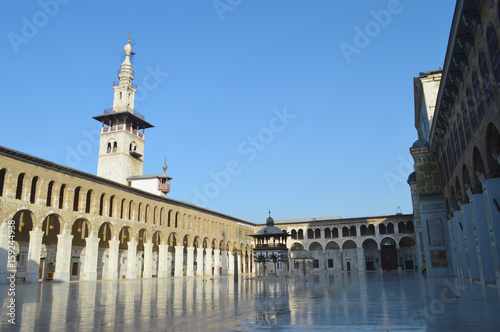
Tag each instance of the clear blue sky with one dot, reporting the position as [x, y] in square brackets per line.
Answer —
[341, 149]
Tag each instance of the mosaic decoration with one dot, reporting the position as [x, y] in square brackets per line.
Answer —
[435, 231]
[388, 242]
[429, 181]
[438, 258]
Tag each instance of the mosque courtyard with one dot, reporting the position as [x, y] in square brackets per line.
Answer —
[378, 301]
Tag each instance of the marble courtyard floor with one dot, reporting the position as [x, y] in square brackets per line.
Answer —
[377, 301]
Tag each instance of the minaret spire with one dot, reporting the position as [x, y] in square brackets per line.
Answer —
[124, 89]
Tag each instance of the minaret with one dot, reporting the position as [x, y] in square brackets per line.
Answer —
[121, 148]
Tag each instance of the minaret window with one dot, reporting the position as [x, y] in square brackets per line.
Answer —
[120, 95]
[115, 146]
[108, 150]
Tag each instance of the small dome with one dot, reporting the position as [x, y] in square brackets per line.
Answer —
[412, 177]
[270, 221]
[420, 143]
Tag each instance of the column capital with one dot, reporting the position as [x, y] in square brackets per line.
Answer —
[36, 234]
[148, 245]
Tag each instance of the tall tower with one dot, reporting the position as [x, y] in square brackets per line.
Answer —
[121, 148]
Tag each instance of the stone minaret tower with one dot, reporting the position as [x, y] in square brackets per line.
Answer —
[121, 148]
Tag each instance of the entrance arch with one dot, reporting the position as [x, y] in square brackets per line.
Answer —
[388, 253]
[371, 254]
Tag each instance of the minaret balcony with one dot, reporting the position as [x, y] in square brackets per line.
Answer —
[117, 83]
[124, 109]
[132, 72]
[164, 187]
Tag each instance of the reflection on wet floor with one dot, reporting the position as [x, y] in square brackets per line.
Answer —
[388, 301]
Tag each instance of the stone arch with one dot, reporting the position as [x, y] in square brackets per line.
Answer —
[155, 215]
[80, 230]
[33, 191]
[332, 245]
[139, 212]
[102, 202]
[349, 244]
[24, 223]
[131, 210]
[296, 246]
[382, 229]
[186, 240]
[162, 216]
[105, 233]
[493, 149]
[407, 241]
[143, 237]
[221, 245]
[370, 243]
[315, 246]
[335, 233]
[124, 236]
[20, 185]
[173, 240]
[363, 230]
[371, 229]
[197, 243]
[51, 227]
[345, 231]
[477, 165]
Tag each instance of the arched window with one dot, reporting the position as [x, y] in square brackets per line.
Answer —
[472, 113]
[76, 199]
[61, 196]
[120, 95]
[19, 188]
[130, 207]
[2, 180]
[33, 190]
[301, 234]
[294, 234]
[466, 123]
[122, 208]
[49, 193]
[461, 132]
[111, 201]
[477, 94]
[485, 77]
[115, 146]
[363, 230]
[390, 228]
[491, 37]
[317, 233]
[310, 234]
[382, 229]
[345, 232]
[139, 212]
[88, 201]
[101, 205]
[371, 230]
[352, 231]
[401, 227]
[176, 219]
[328, 233]
[458, 148]
[335, 232]
[108, 150]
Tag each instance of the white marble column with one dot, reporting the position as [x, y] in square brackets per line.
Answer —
[163, 261]
[91, 252]
[4, 249]
[113, 259]
[231, 263]
[199, 260]
[491, 192]
[470, 243]
[131, 260]
[208, 262]
[35, 247]
[148, 261]
[239, 264]
[63, 257]
[190, 262]
[216, 262]
[361, 258]
[179, 261]
[224, 262]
